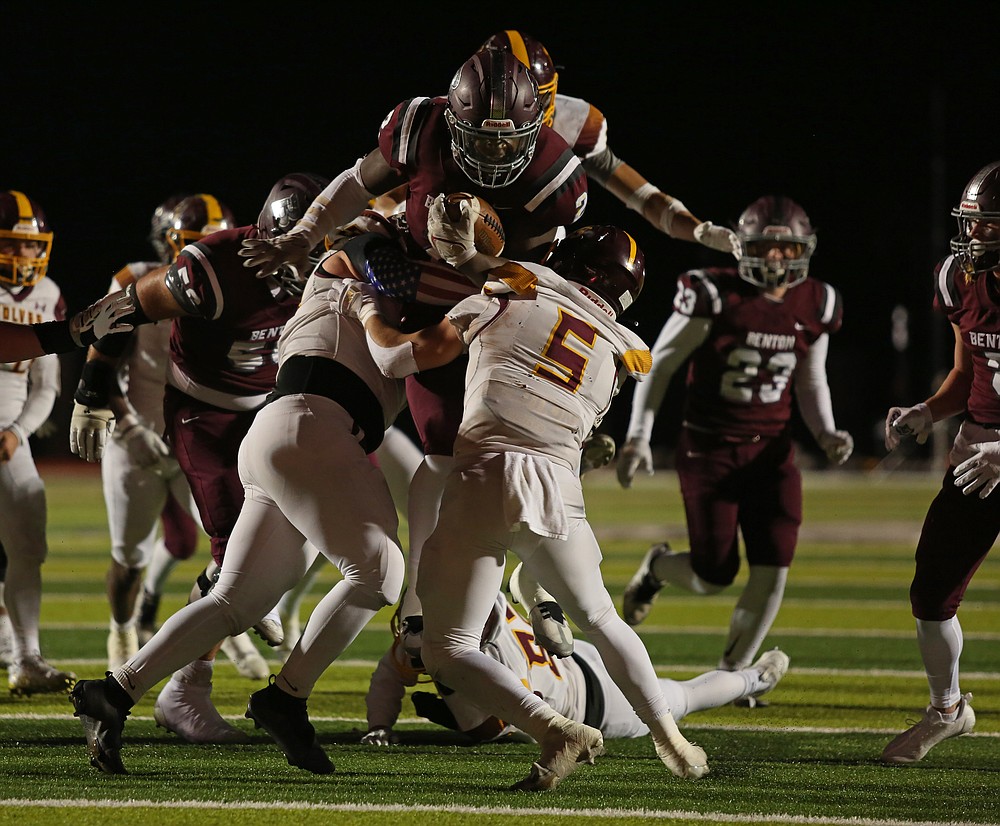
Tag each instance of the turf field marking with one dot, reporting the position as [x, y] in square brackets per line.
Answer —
[520, 811]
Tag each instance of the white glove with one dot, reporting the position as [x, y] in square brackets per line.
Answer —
[717, 238]
[145, 448]
[907, 421]
[380, 737]
[359, 300]
[837, 444]
[598, 451]
[267, 255]
[635, 455]
[981, 471]
[454, 242]
[101, 318]
[88, 431]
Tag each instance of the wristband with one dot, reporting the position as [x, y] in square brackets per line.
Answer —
[55, 337]
[96, 380]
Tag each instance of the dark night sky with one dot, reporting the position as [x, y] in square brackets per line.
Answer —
[873, 121]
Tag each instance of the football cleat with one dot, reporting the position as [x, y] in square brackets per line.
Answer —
[6, 640]
[914, 743]
[32, 675]
[245, 656]
[146, 616]
[642, 589]
[286, 719]
[103, 724]
[123, 644]
[270, 629]
[772, 666]
[186, 709]
[564, 747]
[548, 622]
[682, 757]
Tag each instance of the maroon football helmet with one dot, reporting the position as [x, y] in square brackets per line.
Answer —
[25, 240]
[606, 260]
[769, 222]
[977, 245]
[287, 202]
[494, 117]
[195, 217]
[538, 60]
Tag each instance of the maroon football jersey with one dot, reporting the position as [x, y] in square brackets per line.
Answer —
[550, 192]
[226, 353]
[739, 379]
[973, 305]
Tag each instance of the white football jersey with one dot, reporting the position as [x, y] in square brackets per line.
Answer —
[545, 361]
[317, 329]
[27, 305]
[143, 372]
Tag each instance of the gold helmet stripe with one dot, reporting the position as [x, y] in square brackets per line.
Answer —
[632, 249]
[213, 209]
[517, 47]
[25, 215]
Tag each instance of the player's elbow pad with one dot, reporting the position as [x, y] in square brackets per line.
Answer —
[395, 362]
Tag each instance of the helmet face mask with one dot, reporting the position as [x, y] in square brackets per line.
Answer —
[493, 117]
[539, 62]
[25, 240]
[195, 217]
[977, 245]
[776, 243]
[606, 261]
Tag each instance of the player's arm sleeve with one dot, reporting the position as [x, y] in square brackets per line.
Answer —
[678, 339]
[43, 388]
[812, 390]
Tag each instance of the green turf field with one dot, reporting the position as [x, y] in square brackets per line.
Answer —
[810, 757]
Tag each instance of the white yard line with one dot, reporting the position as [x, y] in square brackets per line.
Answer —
[520, 811]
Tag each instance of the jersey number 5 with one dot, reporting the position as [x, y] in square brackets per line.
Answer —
[558, 353]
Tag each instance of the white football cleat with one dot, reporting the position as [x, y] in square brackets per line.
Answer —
[32, 675]
[564, 747]
[245, 656]
[548, 622]
[682, 757]
[123, 644]
[772, 666]
[914, 743]
[641, 591]
[270, 629]
[186, 709]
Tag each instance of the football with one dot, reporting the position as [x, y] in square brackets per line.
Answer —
[488, 230]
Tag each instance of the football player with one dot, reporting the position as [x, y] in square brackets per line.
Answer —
[28, 389]
[485, 137]
[142, 481]
[546, 358]
[304, 463]
[584, 127]
[751, 334]
[579, 687]
[221, 368]
[963, 521]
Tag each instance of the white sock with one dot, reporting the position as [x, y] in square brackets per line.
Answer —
[941, 646]
[753, 615]
[675, 569]
[197, 672]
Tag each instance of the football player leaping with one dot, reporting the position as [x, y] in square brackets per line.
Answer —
[486, 137]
